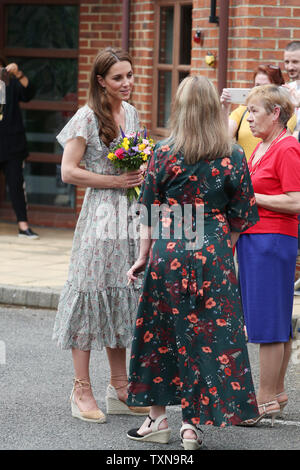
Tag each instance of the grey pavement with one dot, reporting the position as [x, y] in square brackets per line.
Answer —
[36, 381]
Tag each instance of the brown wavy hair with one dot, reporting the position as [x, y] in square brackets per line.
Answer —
[97, 99]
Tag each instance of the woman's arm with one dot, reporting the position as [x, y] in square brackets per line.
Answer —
[145, 245]
[72, 173]
[288, 203]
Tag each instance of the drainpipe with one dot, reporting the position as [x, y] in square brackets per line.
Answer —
[125, 24]
[223, 44]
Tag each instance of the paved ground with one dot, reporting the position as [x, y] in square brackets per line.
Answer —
[35, 385]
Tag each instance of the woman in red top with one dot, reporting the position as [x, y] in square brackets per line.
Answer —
[267, 251]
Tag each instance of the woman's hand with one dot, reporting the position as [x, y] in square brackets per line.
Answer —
[130, 179]
[138, 267]
[225, 99]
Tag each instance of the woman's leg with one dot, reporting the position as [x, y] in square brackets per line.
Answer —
[284, 365]
[13, 170]
[83, 394]
[118, 371]
[271, 364]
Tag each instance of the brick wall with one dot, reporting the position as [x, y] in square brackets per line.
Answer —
[258, 33]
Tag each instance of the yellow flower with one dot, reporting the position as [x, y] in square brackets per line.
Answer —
[144, 156]
[126, 147]
[142, 146]
[111, 156]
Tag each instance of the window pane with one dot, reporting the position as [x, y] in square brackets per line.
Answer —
[42, 128]
[42, 26]
[182, 76]
[44, 185]
[54, 79]
[164, 97]
[166, 35]
[185, 34]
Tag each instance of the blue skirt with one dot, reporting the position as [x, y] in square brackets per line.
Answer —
[267, 264]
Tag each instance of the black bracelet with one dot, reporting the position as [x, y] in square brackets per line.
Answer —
[20, 78]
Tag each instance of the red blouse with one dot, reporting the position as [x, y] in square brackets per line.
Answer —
[277, 172]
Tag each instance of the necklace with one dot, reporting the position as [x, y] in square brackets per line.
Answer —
[254, 168]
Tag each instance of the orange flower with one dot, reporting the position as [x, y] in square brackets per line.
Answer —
[193, 318]
[172, 201]
[210, 303]
[139, 322]
[215, 172]
[206, 349]
[184, 283]
[195, 420]
[175, 311]
[171, 245]
[206, 284]
[147, 337]
[176, 169]
[175, 264]
[176, 381]
[227, 371]
[213, 390]
[224, 359]
[221, 322]
[226, 162]
[205, 400]
[193, 178]
[165, 148]
[235, 386]
[184, 403]
[163, 350]
[154, 275]
[211, 248]
[200, 256]
[157, 380]
[182, 350]
[209, 422]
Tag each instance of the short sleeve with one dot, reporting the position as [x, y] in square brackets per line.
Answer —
[288, 168]
[242, 212]
[237, 114]
[80, 125]
[149, 195]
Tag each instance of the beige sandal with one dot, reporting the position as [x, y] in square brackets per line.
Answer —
[92, 416]
[191, 444]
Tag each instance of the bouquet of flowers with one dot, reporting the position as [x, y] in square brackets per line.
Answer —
[131, 153]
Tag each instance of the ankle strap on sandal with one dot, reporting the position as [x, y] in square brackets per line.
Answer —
[156, 421]
[80, 384]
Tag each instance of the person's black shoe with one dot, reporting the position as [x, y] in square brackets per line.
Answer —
[29, 234]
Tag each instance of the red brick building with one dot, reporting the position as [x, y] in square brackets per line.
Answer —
[168, 39]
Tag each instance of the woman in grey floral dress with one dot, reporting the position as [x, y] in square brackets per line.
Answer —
[96, 307]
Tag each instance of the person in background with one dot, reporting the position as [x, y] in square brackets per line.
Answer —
[267, 251]
[96, 309]
[238, 125]
[13, 144]
[292, 66]
[189, 345]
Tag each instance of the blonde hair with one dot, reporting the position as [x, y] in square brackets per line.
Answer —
[197, 127]
[272, 96]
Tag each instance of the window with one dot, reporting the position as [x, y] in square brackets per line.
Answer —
[42, 38]
[172, 56]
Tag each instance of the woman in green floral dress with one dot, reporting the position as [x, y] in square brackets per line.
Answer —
[189, 345]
